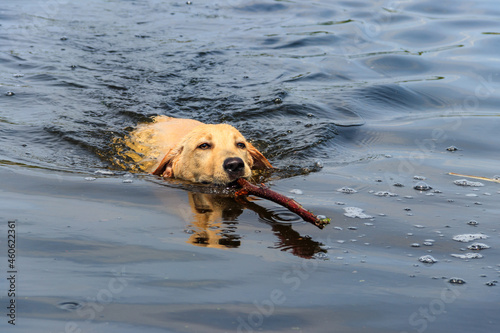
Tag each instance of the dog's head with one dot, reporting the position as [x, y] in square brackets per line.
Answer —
[216, 154]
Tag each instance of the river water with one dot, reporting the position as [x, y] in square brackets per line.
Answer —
[354, 102]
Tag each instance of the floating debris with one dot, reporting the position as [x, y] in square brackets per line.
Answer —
[422, 186]
[465, 238]
[465, 182]
[18, 75]
[491, 283]
[90, 178]
[419, 177]
[347, 190]
[356, 212]
[452, 148]
[456, 281]
[385, 194]
[398, 185]
[278, 100]
[427, 259]
[415, 245]
[10, 93]
[478, 246]
[468, 256]
[296, 191]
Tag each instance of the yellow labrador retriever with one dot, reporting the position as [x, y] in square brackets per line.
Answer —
[191, 150]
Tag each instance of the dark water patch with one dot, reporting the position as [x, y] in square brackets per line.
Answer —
[422, 37]
[398, 100]
[328, 40]
[397, 66]
[263, 7]
[96, 252]
[433, 9]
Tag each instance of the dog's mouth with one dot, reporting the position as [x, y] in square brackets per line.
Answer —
[230, 184]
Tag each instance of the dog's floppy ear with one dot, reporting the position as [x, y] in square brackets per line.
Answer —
[165, 168]
[259, 161]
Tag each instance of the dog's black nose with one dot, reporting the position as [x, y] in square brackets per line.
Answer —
[234, 166]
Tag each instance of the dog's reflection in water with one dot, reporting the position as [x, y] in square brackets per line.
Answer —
[211, 224]
[214, 225]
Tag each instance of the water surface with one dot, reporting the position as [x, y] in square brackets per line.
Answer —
[358, 94]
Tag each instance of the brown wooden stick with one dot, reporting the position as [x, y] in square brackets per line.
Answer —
[290, 204]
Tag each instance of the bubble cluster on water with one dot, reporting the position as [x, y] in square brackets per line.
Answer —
[385, 194]
[478, 246]
[422, 186]
[356, 212]
[296, 191]
[465, 238]
[427, 259]
[473, 223]
[456, 281]
[467, 255]
[104, 172]
[128, 178]
[465, 182]
[321, 256]
[347, 190]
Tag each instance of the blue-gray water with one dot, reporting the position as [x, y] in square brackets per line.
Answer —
[358, 94]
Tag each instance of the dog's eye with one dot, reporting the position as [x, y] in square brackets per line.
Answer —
[241, 145]
[204, 146]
